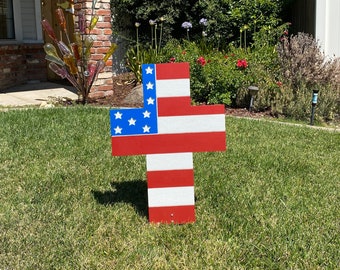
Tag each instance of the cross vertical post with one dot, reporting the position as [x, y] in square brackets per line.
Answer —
[168, 129]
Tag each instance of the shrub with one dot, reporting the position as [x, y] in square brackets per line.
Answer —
[202, 68]
[126, 13]
[234, 21]
[135, 57]
[305, 68]
[218, 76]
[225, 18]
[286, 73]
[213, 74]
[263, 70]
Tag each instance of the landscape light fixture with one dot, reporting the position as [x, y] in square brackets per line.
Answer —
[253, 92]
[314, 101]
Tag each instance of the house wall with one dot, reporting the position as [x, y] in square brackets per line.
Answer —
[20, 63]
[23, 59]
[319, 18]
[327, 26]
[101, 34]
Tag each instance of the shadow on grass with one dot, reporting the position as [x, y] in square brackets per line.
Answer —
[132, 192]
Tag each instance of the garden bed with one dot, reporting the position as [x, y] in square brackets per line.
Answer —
[126, 94]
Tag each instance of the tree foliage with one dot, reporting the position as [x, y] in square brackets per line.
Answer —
[227, 19]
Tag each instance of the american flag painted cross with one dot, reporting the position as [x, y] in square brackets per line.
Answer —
[168, 129]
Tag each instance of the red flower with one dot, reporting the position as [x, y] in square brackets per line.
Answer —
[172, 60]
[184, 52]
[226, 56]
[279, 84]
[201, 61]
[242, 63]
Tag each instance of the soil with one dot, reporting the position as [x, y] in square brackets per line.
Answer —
[127, 93]
[124, 85]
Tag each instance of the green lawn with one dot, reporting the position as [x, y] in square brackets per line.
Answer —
[271, 201]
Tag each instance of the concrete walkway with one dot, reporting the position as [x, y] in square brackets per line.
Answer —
[35, 94]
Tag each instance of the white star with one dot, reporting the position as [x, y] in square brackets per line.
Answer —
[148, 70]
[118, 130]
[150, 100]
[146, 114]
[132, 122]
[146, 129]
[118, 115]
[149, 86]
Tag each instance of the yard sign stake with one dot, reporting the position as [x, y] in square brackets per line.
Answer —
[168, 130]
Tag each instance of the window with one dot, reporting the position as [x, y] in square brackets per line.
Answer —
[20, 21]
[6, 20]
[29, 29]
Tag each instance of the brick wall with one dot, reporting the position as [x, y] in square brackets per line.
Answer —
[101, 34]
[20, 63]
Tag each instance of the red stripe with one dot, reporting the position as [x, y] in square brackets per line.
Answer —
[172, 214]
[174, 106]
[168, 71]
[174, 178]
[168, 143]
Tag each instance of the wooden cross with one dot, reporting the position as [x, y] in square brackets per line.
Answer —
[168, 129]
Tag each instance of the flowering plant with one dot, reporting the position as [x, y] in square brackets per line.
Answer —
[201, 61]
[187, 26]
[136, 56]
[172, 60]
[242, 63]
[203, 22]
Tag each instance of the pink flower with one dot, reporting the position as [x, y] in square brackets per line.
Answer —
[242, 63]
[201, 61]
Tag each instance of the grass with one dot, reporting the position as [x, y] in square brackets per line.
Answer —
[271, 201]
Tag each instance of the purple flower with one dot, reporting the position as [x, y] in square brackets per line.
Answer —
[203, 22]
[187, 25]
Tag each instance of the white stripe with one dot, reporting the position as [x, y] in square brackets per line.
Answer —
[191, 123]
[162, 162]
[171, 196]
[173, 88]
